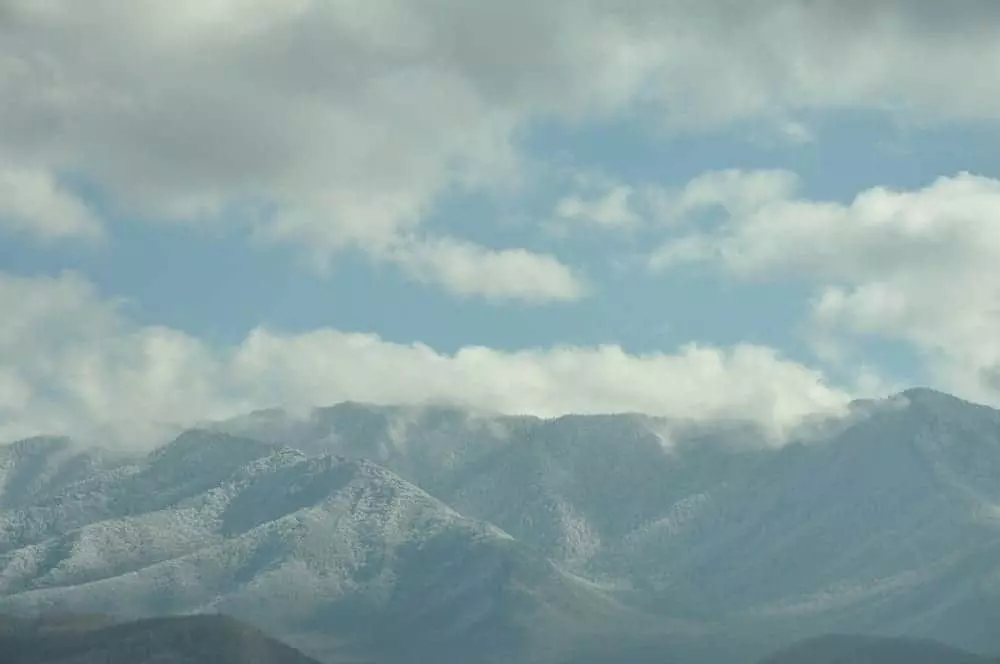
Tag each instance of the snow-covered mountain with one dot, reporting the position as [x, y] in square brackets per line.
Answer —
[887, 520]
[567, 487]
[33, 468]
[335, 554]
[409, 532]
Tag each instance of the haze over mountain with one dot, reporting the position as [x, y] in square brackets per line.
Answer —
[407, 534]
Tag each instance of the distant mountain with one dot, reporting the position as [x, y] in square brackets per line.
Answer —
[842, 649]
[567, 487]
[887, 520]
[406, 534]
[336, 555]
[862, 516]
[891, 525]
[174, 640]
[29, 469]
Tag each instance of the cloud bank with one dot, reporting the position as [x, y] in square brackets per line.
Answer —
[342, 124]
[73, 363]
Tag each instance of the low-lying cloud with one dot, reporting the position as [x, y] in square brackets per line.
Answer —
[74, 364]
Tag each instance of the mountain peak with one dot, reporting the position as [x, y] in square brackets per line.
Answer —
[199, 446]
[922, 394]
[941, 403]
[39, 444]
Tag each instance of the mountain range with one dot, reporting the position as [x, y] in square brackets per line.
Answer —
[435, 534]
[217, 639]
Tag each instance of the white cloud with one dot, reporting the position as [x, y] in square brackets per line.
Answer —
[918, 266]
[467, 269]
[32, 202]
[350, 119]
[796, 132]
[72, 365]
[611, 209]
[732, 190]
[71, 362]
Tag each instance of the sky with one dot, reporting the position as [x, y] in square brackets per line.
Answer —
[691, 209]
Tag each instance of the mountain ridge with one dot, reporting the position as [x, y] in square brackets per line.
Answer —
[667, 541]
[315, 535]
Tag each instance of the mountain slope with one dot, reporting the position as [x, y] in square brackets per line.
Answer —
[181, 640]
[480, 537]
[566, 487]
[878, 528]
[887, 520]
[31, 469]
[339, 556]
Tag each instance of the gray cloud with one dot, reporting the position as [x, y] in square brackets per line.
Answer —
[352, 119]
